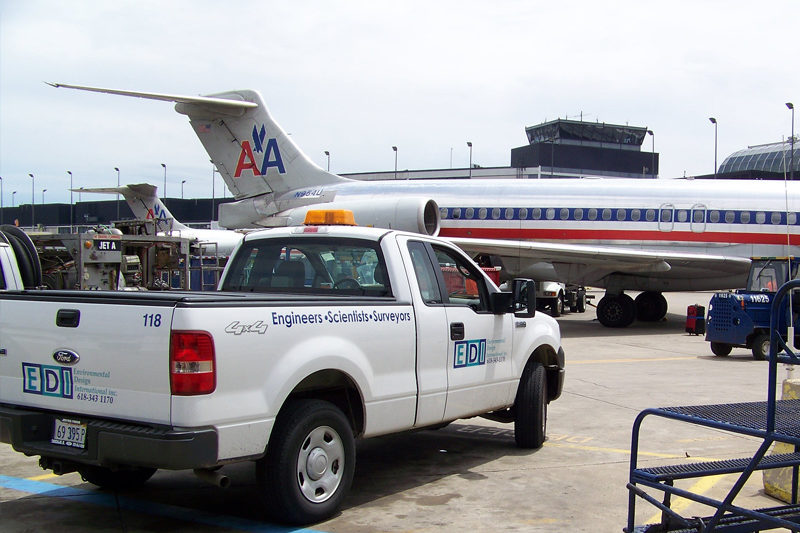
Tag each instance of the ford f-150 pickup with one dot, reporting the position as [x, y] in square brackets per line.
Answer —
[317, 336]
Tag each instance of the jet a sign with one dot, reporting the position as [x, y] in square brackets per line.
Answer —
[272, 155]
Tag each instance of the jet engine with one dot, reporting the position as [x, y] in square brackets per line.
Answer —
[417, 215]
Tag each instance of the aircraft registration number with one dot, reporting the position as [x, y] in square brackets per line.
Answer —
[68, 432]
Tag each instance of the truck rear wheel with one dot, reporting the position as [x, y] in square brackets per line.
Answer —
[760, 346]
[309, 464]
[107, 478]
[530, 408]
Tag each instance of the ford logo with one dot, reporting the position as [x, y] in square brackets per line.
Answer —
[66, 357]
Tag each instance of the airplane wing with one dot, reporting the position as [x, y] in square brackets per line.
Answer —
[594, 265]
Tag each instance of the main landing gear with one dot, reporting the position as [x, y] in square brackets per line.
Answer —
[620, 310]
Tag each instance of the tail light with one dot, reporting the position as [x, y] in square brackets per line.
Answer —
[192, 367]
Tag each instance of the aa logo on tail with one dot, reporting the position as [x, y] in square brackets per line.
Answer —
[272, 155]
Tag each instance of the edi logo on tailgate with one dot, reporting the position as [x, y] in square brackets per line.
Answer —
[469, 353]
[47, 380]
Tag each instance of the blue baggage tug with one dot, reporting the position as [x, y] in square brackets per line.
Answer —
[742, 318]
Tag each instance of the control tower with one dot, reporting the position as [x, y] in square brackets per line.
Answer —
[565, 147]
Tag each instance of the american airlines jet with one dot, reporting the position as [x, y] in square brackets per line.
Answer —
[146, 205]
[651, 236]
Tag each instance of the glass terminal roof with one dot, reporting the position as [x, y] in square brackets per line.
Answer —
[775, 157]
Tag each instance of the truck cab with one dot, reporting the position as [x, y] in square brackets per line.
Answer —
[741, 318]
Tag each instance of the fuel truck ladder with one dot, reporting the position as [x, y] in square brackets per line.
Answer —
[771, 421]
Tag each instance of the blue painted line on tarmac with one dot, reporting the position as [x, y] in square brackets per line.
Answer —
[170, 511]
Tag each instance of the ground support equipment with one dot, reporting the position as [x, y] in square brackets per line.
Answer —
[771, 421]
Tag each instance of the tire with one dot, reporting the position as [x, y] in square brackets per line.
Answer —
[557, 307]
[581, 307]
[651, 306]
[760, 346]
[721, 349]
[107, 478]
[530, 408]
[616, 311]
[309, 464]
[27, 256]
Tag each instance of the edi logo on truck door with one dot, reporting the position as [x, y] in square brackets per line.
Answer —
[469, 353]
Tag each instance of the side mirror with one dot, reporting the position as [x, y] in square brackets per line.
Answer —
[524, 297]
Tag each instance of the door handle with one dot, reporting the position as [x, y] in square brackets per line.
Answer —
[68, 318]
[456, 331]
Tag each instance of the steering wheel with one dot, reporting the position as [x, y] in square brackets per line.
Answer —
[347, 283]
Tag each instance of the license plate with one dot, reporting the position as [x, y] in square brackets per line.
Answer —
[69, 433]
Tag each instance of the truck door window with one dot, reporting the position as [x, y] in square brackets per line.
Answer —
[426, 276]
[462, 281]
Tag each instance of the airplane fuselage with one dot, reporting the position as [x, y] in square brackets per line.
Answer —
[738, 218]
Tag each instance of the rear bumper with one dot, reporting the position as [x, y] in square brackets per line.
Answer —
[110, 443]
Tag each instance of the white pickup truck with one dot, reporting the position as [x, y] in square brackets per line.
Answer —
[318, 335]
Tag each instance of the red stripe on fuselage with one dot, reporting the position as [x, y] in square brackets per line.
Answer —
[619, 235]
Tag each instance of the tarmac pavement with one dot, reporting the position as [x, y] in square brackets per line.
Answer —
[468, 476]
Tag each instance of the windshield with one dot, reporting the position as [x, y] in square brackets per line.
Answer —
[310, 265]
[767, 275]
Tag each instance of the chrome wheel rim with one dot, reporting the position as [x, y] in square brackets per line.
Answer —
[320, 464]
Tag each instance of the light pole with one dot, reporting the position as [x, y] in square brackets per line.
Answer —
[13, 197]
[395, 161]
[164, 192]
[70, 200]
[43, 191]
[653, 164]
[1, 200]
[33, 197]
[117, 169]
[469, 143]
[328, 155]
[714, 122]
[182, 182]
[213, 178]
[791, 157]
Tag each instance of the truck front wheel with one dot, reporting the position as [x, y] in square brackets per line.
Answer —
[761, 346]
[309, 464]
[530, 408]
[721, 349]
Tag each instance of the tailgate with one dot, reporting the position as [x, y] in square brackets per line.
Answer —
[102, 359]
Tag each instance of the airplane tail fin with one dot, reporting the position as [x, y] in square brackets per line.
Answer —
[252, 152]
[145, 204]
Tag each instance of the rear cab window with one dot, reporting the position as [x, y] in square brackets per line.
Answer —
[309, 265]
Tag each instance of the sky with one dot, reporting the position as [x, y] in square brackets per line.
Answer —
[358, 77]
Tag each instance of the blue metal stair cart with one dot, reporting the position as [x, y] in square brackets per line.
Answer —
[770, 421]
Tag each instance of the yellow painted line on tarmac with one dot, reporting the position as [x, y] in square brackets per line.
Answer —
[628, 360]
[625, 451]
[42, 477]
[679, 504]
